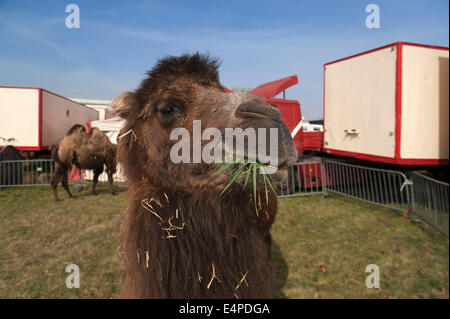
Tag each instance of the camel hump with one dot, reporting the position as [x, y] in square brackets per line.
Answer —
[99, 136]
[76, 128]
[94, 130]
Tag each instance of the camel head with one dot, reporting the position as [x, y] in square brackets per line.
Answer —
[180, 115]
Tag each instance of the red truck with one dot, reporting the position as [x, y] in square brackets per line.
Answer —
[291, 113]
[290, 109]
[304, 142]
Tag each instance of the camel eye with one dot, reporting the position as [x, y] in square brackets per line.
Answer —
[167, 111]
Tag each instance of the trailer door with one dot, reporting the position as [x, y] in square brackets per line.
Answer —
[359, 104]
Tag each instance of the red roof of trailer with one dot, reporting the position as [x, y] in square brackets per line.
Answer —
[273, 88]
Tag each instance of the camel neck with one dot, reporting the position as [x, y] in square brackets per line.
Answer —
[207, 235]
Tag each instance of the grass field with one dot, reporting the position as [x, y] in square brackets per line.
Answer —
[321, 248]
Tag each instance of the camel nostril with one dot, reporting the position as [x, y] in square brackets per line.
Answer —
[258, 109]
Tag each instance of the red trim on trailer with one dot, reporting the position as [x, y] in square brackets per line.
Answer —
[398, 100]
[387, 46]
[423, 161]
[40, 118]
[362, 53]
[323, 102]
[26, 148]
[437, 47]
[388, 160]
[18, 87]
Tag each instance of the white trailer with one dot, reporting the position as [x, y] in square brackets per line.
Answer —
[390, 105]
[34, 118]
[102, 106]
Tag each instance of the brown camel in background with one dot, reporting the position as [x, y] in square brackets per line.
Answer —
[180, 238]
[85, 151]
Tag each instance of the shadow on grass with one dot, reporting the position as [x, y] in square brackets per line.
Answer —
[280, 272]
[86, 190]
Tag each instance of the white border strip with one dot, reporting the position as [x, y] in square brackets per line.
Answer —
[297, 128]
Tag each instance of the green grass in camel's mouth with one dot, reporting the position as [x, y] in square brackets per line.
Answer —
[236, 167]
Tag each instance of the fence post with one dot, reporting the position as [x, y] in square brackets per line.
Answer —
[412, 201]
[323, 177]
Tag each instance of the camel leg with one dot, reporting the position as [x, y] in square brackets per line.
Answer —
[111, 181]
[55, 180]
[65, 184]
[97, 172]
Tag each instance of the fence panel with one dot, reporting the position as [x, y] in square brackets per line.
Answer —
[26, 172]
[304, 178]
[37, 172]
[430, 201]
[382, 187]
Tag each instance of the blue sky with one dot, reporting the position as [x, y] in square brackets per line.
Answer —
[257, 41]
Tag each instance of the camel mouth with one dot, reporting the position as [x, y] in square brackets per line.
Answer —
[240, 170]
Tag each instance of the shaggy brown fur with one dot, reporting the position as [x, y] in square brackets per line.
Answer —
[180, 239]
[85, 151]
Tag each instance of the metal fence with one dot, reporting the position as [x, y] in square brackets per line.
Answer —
[38, 172]
[430, 201]
[423, 197]
[304, 178]
[382, 187]
[26, 172]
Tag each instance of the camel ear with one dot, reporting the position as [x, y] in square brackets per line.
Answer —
[125, 105]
